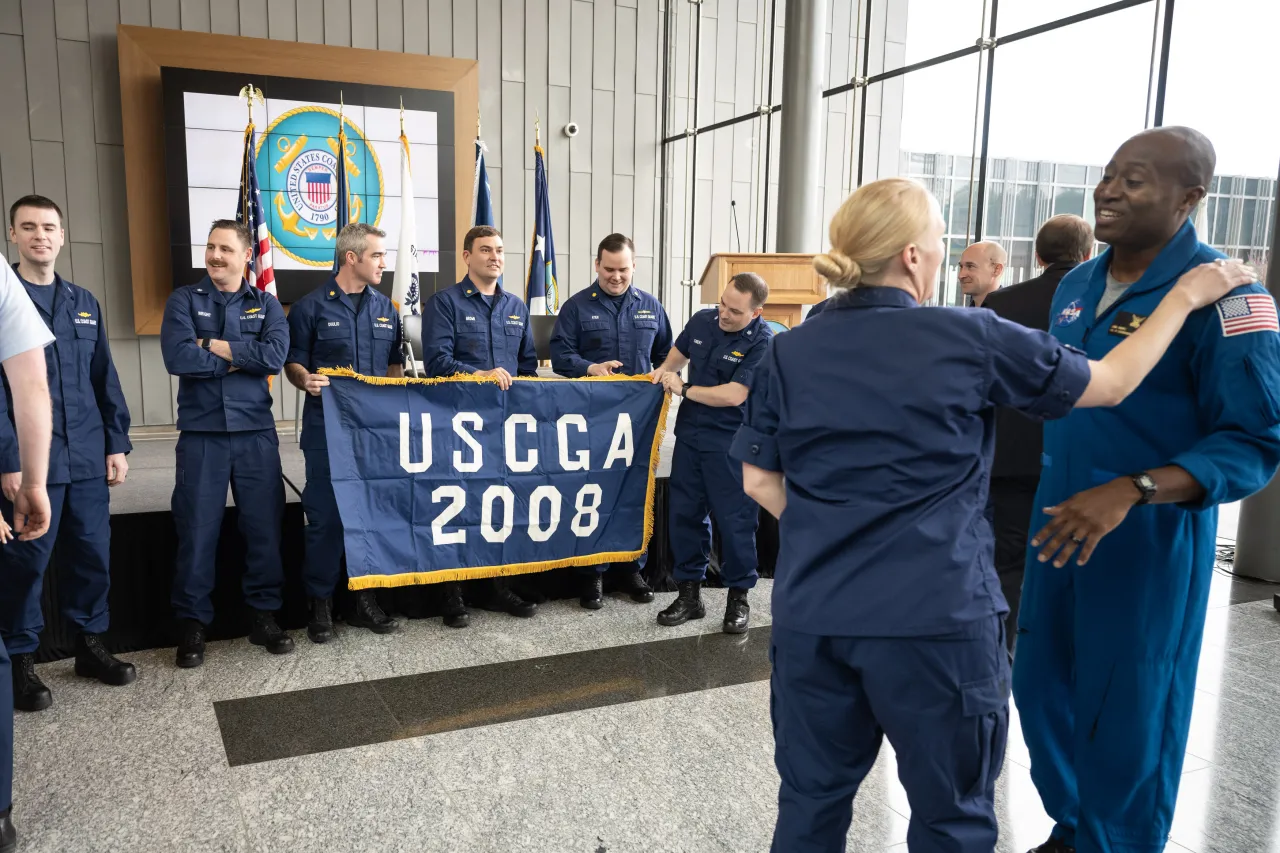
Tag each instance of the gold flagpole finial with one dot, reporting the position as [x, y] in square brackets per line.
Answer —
[251, 95]
[537, 129]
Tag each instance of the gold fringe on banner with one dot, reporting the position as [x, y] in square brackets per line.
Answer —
[462, 574]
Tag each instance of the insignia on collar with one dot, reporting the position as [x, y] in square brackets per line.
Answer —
[469, 291]
[331, 292]
[593, 293]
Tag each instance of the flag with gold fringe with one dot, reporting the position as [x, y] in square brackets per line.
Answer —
[453, 478]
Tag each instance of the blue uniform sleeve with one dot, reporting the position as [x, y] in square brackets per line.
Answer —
[264, 357]
[108, 393]
[438, 338]
[9, 462]
[662, 340]
[1237, 382]
[756, 440]
[1031, 371]
[565, 359]
[528, 364]
[301, 331]
[183, 356]
[743, 373]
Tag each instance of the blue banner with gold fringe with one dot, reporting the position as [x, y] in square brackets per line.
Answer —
[451, 479]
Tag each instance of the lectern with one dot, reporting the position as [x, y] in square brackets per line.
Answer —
[793, 282]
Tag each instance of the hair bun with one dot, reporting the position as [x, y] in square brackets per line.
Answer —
[838, 268]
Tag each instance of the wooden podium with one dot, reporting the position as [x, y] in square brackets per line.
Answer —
[793, 282]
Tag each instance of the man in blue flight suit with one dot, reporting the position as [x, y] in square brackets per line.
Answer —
[345, 323]
[224, 340]
[1109, 638]
[23, 337]
[611, 326]
[477, 327]
[722, 347]
[87, 456]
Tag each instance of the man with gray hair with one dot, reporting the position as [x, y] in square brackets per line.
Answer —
[345, 323]
[981, 266]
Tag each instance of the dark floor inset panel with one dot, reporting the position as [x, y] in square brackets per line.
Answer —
[286, 725]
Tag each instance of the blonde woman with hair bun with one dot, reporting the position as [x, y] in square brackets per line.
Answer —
[869, 435]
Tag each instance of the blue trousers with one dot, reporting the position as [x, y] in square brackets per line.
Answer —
[621, 568]
[942, 701]
[705, 481]
[80, 522]
[323, 535]
[6, 726]
[207, 463]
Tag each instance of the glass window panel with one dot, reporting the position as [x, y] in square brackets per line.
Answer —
[1220, 223]
[1021, 264]
[1251, 187]
[1073, 174]
[934, 27]
[995, 208]
[1017, 15]
[1248, 209]
[1024, 212]
[1069, 201]
[960, 211]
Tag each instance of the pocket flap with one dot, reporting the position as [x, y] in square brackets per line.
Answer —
[326, 332]
[978, 698]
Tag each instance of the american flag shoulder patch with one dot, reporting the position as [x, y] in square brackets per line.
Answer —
[1254, 312]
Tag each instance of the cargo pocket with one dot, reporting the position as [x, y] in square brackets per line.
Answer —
[986, 704]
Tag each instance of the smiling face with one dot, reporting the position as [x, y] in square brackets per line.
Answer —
[736, 310]
[225, 257]
[485, 259]
[38, 234]
[1142, 201]
[614, 271]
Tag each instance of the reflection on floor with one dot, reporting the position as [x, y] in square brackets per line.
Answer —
[683, 766]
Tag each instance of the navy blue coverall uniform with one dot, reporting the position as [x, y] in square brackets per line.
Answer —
[703, 476]
[90, 422]
[227, 436]
[887, 612]
[593, 327]
[1107, 654]
[465, 332]
[326, 330]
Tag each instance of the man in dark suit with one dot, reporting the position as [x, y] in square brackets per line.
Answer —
[1063, 243]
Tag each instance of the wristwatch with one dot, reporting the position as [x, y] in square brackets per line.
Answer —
[1147, 486]
[684, 389]
[204, 344]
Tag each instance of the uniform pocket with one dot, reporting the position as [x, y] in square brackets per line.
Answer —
[250, 328]
[986, 704]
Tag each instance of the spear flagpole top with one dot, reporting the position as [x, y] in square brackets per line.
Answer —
[537, 129]
[402, 115]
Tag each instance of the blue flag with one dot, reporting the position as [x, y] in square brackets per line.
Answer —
[542, 293]
[450, 479]
[481, 202]
[344, 213]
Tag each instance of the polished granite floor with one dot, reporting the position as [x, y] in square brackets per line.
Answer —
[573, 731]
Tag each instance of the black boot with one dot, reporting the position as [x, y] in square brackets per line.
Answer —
[191, 649]
[736, 612]
[320, 619]
[8, 835]
[634, 585]
[94, 661]
[592, 597]
[508, 602]
[1053, 845]
[688, 605]
[29, 692]
[367, 614]
[268, 634]
[455, 609]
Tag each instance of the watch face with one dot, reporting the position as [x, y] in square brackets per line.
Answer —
[1146, 482]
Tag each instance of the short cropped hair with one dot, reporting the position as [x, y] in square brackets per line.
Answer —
[753, 285]
[242, 230]
[615, 243]
[1064, 239]
[355, 238]
[37, 201]
[480, 231]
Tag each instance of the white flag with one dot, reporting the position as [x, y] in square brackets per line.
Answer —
[405, 291]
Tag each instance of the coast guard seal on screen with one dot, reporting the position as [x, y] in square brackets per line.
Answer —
[297, 163]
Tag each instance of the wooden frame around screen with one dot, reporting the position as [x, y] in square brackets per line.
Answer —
[144, 50]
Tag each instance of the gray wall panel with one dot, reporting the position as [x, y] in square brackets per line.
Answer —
[282, 20]
[195, 15]
[114, 217]
[15, 137]
[124, 353]
[390, 26]
[646, 185]
[495, 192]
[624, 95]
[364, 24]
[76, 92]
[556, 147]
[103, 18]
[87, 261]
[415, 26]
[580, 97]
[72, 19]
[513, 37]
[253, 18]
[40, 46]
[622, 217]
[536, 62]
[224, 17]
[166, 14]
[604, 43]
[490, 49]
[337, 22]
[157, 391]
[49, 171]
[579, 235]
[601, 166]
[560, 21]
[440, 27]
[135, 12]
[11, 17]
[466, 31]
[514, 132]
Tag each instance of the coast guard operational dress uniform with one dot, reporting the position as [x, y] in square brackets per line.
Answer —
[887, 612]
[327, 330]
[1107, 652]
[703, 476]
[464, 331]
[227, 436]
[90, 422]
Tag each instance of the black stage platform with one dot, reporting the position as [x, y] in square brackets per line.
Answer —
[144, 542]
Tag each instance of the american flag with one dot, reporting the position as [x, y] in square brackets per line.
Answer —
[261, 274]
[1254, 312]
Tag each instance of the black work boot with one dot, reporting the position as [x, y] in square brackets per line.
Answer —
[1053, 845]
[634, 585]
[455, 609]
[367, 614]
[268, 634]
[94, 661]
[320, 619]
[191, 648]
[8, 835]
[592, 595]
[506, 601]
[29, 692]
[688, 605]
[736, 612]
